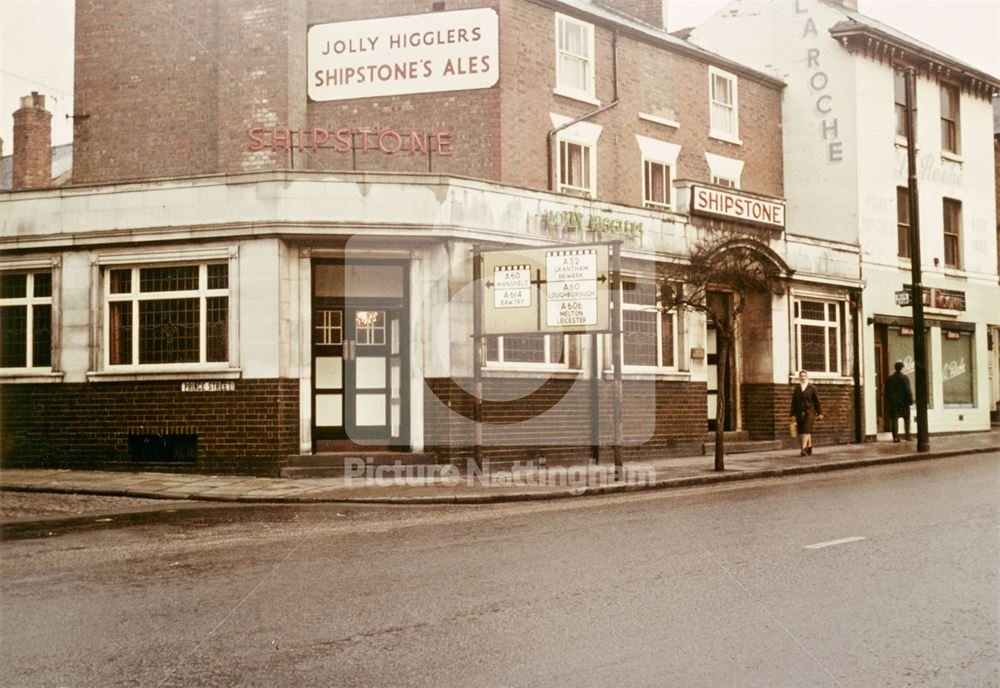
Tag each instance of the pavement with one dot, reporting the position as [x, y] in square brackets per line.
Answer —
[448, 485]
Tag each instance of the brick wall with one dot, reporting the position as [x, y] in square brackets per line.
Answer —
[87, 425]
[554, 419]
[472, 117]
[145, 89]
[765, 413]
[170, 91]
[652, 80]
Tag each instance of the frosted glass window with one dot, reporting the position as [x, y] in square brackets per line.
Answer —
[371, 372]
[370, 410]
[329, 410]
[329, 372]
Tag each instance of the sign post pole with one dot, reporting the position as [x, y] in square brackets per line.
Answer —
[616, 352]
[916, 288]
[477, 355]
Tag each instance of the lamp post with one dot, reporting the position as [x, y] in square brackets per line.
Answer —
[916, 286]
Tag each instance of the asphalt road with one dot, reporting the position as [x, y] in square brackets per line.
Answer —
[698, 588]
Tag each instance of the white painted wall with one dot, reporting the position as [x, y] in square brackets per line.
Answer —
[790, 39]
[854, 200]
[259, 309]
[74, 315]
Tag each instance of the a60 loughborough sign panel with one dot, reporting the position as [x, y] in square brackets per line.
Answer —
[420, 53]
[546, 290]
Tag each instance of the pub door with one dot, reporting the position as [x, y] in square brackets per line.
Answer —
[359, 373]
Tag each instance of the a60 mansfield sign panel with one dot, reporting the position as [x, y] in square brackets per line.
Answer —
[420, 53]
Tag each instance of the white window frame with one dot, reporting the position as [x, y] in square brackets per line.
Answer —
[547, 365]
[658, 309]
[722, 168]
[714, 131]
[827, 325]
[585, 190]
[584, 134]
[897, 78]
[956, 119]
[29, 301]
[586, 94]
[654, 151]
[957, 232]
[135, 296]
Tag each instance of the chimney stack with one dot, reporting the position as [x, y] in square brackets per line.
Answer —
[652, 12]
[32, 144]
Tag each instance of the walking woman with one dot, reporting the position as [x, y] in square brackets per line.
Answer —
[805, 411]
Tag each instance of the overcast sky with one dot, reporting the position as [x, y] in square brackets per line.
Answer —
[36, 43]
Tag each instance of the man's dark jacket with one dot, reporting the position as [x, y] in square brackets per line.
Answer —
[898, 396]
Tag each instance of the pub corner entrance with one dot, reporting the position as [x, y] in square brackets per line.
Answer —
[360, 355]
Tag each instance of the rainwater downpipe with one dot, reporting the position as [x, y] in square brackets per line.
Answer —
[550, 137]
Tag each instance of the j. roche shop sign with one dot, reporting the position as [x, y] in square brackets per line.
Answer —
[421, 53]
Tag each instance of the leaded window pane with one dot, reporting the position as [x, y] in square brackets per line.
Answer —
[217, 328]
[813, 347]
[13, 286]
[639, 337]
[41, 335]
[13, 336]
[42, 284]
[639, 293]
[524, 348]
[121, 281]
[120, 335]
[168, 331]
[813, 310]
[218, 276]
[668, 340]
[175, 278]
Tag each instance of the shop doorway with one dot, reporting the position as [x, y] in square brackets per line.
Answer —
[881, 365]
[360, 361]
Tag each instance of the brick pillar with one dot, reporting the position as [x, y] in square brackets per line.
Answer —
[32, 144]
[652, 12]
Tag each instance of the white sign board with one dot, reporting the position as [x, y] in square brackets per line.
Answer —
[420, 53]
[734, 205]
[512, 286]
[546, 290]
[571, 288]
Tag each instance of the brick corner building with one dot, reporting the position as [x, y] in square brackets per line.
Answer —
[265, 255]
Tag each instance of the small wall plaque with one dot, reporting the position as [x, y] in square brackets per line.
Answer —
[208, 386]
[697, 354]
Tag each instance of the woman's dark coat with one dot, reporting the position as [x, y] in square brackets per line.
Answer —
[805, 407]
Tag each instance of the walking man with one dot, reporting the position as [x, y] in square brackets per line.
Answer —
[898, 398]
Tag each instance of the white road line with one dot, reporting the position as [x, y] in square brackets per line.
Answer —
[831, 543]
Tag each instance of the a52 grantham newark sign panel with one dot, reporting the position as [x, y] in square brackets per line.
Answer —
[546, 290]
[419, 53]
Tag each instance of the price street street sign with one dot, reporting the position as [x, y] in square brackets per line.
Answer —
[546, 290]
[902, 298]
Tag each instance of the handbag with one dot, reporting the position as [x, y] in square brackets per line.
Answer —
[793, 429]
